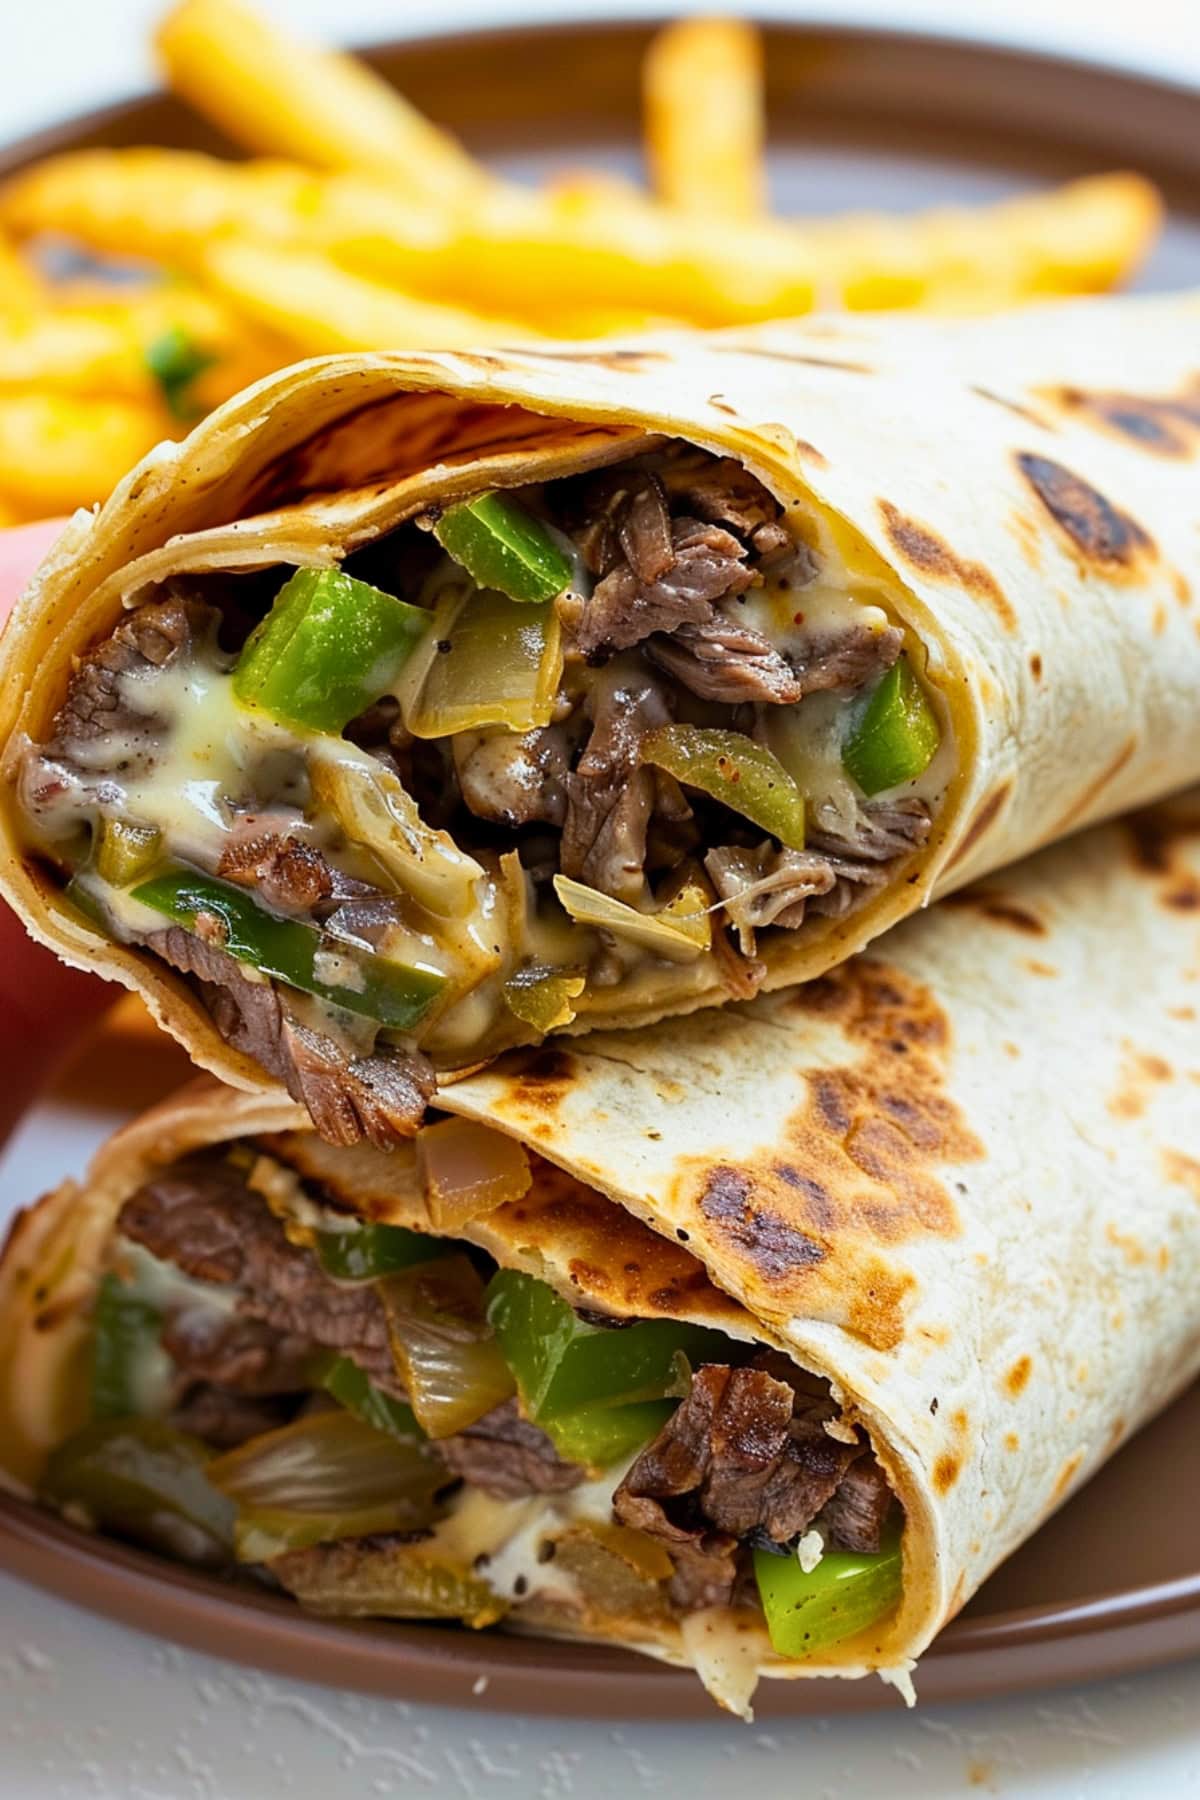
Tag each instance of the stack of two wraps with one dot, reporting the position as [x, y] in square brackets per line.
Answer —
[767, 640]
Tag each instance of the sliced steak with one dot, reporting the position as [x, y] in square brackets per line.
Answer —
[627, 605]
[722, 491]
[507, 1455]
[610, 794]
[224, 1419]
[857, 1512]
[148, 640]
[722, 659]
[515, 778]
[288, 874]
[846, 658]
[229, 1350]
[767, 886]
[200, 1216]
[863, 858]
[381, 1097]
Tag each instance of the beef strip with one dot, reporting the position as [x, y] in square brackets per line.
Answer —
[289, 875]
[863, 857]
[148, 640]
[515, 779]
[722, 491]
[746, 1456]
[230, 1350]
[767, 886]
[722, 659]
[626, 606]
[381, 1097]
[848, 657]
[610, 794]
[200, 1216]
[856, 1514]
[225, 1419]
[508, 1456]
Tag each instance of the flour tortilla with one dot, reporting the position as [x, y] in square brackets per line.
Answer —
[1034, 527]
[959, 1177]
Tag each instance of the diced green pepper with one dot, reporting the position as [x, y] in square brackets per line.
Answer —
[372, 1251]
[353, 1390]
[896, 736]
[598, 1435]
[139, 1479]
[328, 648]
[502, 546]
[176, 361]
[124, 851]
[396, 994]
[807, 1614]
[743, 775]
[562, 1363]
[125, 1330]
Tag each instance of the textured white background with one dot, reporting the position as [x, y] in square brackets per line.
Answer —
[92, 1712]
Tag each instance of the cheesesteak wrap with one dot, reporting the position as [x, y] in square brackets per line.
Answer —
[421, 705]
[752, 1341]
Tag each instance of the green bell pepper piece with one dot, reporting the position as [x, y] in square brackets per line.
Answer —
[328, 648]
[896, 735]
[396, 994]
[353, 1390]
[846, 1592]
[372, 1251]
[743, 775]
[500, 545]
[563, 1364]
[599, 1435]
[125, 1329]
[140, 1479]
[176, 361]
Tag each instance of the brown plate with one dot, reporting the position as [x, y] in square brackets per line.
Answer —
[858, 119]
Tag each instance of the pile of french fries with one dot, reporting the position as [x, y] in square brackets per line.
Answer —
[359, 224]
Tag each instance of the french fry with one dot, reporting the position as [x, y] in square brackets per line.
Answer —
[702, 96]
[277, 96]
[58, 452]
[525, 254]
[19, 285]
[318, 307]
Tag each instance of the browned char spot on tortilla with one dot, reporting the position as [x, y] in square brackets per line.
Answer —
[1065, 1476]
[1000, 908]
[1182, 1171]
[603, 359]
[946, 1471]
[1140, 1071]
[985, 817]
[807, 358]
[1035, 666]
[1100, 531]
[1157, 837]
[923, 549]
[1163, 424]
[1017, 1378]
[544, 1079]
[813, 1219]
[1083, 803]
[1017, 407]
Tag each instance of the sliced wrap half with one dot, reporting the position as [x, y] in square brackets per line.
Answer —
[955, 1184]
[420, 705]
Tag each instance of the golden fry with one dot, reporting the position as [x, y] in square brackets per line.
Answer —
[702, 94]
[318, 307]
[526, 255]
[58, 452]
[275, 95]
[19, 285]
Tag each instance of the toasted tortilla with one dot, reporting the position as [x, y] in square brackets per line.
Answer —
[1031, 515]
[957, 1177]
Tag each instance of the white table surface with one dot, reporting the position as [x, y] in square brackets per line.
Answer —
[89, 1711]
